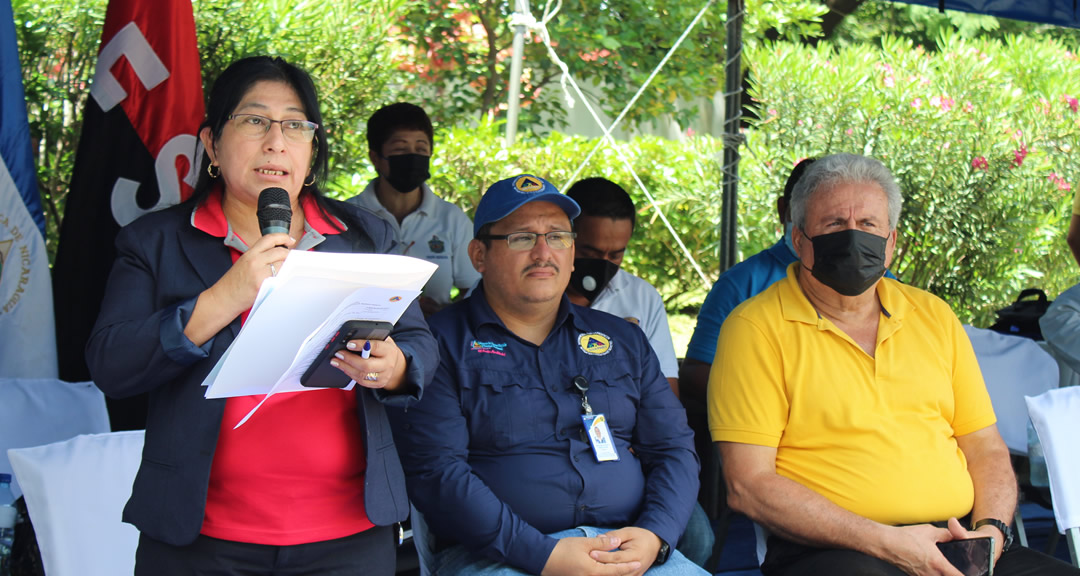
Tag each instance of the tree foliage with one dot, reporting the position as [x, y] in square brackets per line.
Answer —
[342, 44]
[459, 53]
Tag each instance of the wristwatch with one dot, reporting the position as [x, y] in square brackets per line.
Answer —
[662, 554]
[1006, 530]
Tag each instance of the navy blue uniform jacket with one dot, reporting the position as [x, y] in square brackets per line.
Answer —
[496, 454]
[137, 345]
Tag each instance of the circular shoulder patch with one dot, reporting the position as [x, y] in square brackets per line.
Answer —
[528, 184]
[595, 343]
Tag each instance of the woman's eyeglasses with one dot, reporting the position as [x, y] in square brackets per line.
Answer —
[255, 126]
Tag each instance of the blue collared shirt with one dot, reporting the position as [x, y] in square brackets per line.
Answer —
[742, 281]
[495, 453]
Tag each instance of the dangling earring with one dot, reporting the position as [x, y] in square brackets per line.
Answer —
[312, 182]
[210, 170]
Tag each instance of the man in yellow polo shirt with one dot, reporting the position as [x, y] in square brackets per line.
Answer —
[850, 412]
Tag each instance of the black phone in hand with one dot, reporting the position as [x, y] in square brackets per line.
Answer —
[972, 556]
[321, 374]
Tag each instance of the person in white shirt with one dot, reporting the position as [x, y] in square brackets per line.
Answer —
[598, 281]
[603, 229]
[400, 142]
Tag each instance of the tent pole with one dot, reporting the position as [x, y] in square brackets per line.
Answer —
[521, 12]
[732, 138]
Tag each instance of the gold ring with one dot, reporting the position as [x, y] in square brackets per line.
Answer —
[372, 376]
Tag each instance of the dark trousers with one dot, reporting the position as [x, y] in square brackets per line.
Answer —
[369, 553]
[786, 558]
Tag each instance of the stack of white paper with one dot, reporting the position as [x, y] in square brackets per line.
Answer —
[297, 312]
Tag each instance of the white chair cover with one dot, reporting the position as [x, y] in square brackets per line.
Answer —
[41, 411]
[1013, 367]
[1056, 416]
[75, 493]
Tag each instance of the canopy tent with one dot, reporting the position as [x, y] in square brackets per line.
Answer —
[1057, 12]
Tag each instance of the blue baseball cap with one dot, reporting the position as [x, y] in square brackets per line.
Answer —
[505, 196]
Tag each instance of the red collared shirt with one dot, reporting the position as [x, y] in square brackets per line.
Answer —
[294, 474]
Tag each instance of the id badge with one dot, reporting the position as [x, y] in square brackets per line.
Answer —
[600, 437]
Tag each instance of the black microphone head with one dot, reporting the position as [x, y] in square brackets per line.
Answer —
[275, 211]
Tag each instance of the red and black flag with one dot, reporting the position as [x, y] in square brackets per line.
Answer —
[137, 154]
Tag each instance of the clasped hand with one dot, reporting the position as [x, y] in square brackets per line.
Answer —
[627, 551]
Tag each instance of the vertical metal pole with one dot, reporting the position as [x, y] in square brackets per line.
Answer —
[729, 216]
[513, 104]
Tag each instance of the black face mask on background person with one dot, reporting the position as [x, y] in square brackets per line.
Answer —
[591, 276]
[408, 171]
[849, 261]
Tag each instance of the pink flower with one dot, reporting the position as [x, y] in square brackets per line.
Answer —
[947, 103]
[1059, 181]
[1071, 102]
[773, 112]
[690, 132]
[935, 101]
[848, 131]
[889, 82]
[1019, 154]
[968, 107]
[979, 163]
[916, 103]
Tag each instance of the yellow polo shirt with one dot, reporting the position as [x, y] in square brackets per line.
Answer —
[877, 436]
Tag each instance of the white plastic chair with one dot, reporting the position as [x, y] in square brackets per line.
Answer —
[41, 411]
[75, 493]
[1013, 367]
[1055, 416]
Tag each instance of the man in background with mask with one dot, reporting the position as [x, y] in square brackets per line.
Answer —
[400, 141]
[740, 282]
[603, 229]
[849, 409]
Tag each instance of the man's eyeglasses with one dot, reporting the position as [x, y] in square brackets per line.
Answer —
[255, 126]
[521, 241]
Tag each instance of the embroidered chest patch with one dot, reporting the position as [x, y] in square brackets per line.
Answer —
[595, 343]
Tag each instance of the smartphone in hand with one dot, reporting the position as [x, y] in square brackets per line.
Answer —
[972, 556]
[321, 374]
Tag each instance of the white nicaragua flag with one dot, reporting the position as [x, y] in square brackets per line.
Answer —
[27, 330]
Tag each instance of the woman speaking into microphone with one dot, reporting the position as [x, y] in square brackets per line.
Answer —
[312, 485]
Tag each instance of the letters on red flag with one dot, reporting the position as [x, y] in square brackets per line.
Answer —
[136, 154]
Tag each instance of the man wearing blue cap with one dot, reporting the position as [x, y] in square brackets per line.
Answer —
[549, 441]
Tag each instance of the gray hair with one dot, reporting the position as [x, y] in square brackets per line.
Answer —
[835, 169]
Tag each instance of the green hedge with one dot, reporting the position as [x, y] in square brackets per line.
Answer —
[468, 160]
[980, 136]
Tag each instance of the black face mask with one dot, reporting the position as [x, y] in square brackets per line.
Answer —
[408, 171]
[591, 275]
[849, 261]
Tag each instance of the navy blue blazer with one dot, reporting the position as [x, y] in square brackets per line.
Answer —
[137, 345]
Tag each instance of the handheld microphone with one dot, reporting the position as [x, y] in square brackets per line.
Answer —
[275, 212]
